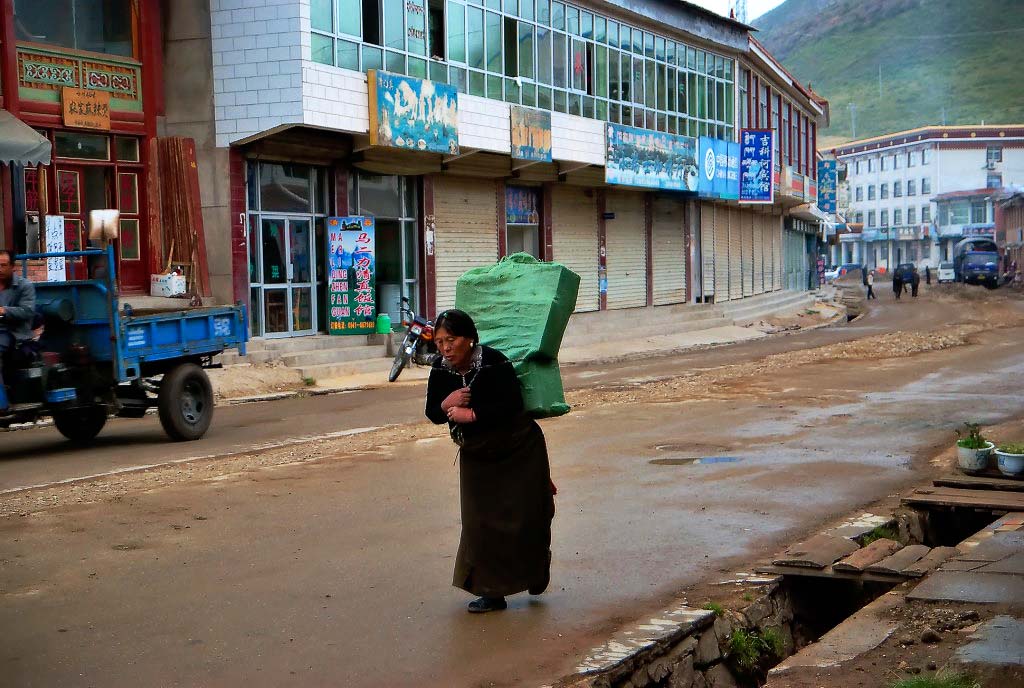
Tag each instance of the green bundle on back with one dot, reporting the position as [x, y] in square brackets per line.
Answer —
[521, 307]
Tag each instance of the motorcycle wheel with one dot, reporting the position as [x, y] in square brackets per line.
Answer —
[396, 368]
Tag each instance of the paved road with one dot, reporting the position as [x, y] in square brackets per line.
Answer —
[336, 572]
[41, 456]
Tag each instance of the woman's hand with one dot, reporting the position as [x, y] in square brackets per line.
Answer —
[458, 398]
[461, 415]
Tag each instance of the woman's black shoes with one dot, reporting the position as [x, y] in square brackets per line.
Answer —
[483, 605]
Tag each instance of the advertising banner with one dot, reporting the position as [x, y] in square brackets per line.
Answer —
[414, 114]
[640, 157]
[351, 264]
[827, 182]
[757, 163]
[531, 134]
[55, 244]
[719, 169]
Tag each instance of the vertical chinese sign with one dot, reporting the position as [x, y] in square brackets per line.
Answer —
[55, 244]
[757, 163]
[827, 183]
[351, 262]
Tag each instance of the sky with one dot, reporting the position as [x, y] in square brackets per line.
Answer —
[755, 8]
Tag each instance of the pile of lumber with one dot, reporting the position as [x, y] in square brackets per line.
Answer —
[180, 238]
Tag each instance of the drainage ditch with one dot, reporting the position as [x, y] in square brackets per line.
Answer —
[761, 620]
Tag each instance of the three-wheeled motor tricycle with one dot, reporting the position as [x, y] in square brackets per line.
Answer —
[93, 360]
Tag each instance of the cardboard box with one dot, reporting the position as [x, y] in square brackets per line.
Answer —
[167, 285]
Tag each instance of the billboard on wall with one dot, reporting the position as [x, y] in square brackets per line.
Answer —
[531, 134]
[652, 159]
[414, 114]
[352, 268]
[757, 164]
[827, 183]
[719, 169]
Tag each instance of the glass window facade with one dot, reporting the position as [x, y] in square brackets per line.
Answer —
[101, 27]
[538, 53]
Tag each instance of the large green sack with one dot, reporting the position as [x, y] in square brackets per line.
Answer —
[521, 305]
[541, 383]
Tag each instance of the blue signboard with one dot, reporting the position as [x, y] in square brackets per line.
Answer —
[827, 183]
[414, 114]
[531, 134]
[640, 157]
[719, 169]
[757, 163]
[351, 262]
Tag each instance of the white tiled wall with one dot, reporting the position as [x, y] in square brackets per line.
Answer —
[264, 77]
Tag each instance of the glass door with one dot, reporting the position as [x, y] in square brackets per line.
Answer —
[288, 298]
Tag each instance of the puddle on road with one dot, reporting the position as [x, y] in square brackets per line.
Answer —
[694, 460]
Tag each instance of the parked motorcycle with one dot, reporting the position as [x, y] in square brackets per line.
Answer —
[417, 346]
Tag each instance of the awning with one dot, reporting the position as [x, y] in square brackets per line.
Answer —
[809, 212]
[20, 143]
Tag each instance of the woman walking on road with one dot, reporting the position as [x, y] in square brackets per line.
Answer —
[870, 281]
[505, 481]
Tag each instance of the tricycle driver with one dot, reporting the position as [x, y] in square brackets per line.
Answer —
[17, 310]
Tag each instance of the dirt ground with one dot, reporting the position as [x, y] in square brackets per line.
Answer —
[241, 381]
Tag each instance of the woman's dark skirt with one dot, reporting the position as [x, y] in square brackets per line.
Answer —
[507, 509]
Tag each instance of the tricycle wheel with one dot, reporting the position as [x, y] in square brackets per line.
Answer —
[186, 402]
[81, 425]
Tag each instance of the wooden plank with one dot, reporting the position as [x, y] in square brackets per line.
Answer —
[895, 563]
[929, 562]
[996, 500]
[818, 552]
[866, 556]
[979, 483]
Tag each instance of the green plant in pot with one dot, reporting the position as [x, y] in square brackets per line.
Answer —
[972, 449]
[1010, 459]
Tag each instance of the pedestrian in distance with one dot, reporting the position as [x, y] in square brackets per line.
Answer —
[504, 477]
[870, 281]
[915, 282]
[927, 274]
[897, 284]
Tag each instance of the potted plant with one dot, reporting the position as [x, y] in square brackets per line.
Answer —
[1010, 458]
[972, 449]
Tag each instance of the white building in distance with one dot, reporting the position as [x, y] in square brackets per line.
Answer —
[913, 194]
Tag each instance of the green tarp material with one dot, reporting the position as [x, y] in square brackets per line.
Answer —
[521, 307]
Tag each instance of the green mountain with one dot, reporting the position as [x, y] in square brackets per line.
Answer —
[889, 65]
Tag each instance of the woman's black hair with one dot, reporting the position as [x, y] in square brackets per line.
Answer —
[457, 323]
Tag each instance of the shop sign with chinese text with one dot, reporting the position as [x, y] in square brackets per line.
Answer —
[531, 134]
[652, 159]
[85, 109]
[351, 264]
[827, 182]
[757, 163]
[719, 169]
[413, 114]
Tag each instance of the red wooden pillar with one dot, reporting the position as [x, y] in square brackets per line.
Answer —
[502, 218]
[429, 289]
[239, 227]
[602, 251]
[649, 240]
[9, 79]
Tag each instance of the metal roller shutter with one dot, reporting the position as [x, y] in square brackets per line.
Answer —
[735, 254]
[775, 229]
[757, 228]
[574, 238]
[747, 229]
[669, 252]
[627, 251]
[707, 249]
[721, 224]
[466, 231]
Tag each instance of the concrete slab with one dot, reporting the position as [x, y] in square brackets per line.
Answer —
[930, 562]
[1013, 564]
[973, 586]
[1001, 545]
[864, 631]
[866, 556]
[908, 556]
[818, 552]
[997, 641]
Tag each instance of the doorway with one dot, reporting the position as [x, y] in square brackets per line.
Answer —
[286, 295]
[80, 189]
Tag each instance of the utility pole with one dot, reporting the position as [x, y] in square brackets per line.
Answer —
[853, 119]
